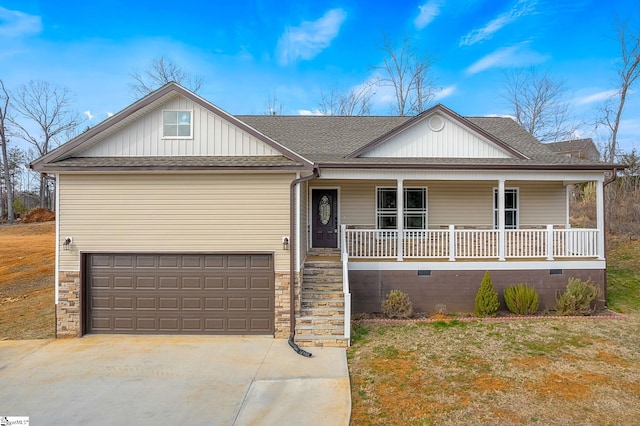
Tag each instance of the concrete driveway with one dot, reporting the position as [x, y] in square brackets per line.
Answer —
[173, 380]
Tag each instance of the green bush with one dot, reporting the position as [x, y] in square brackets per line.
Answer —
[521, 299]
[487, 302]
[397, 305]
[578, 299]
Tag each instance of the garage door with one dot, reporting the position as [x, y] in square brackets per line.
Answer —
[180, 293]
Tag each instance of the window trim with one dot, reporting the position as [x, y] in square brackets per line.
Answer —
[190, 111]
[517, 208]
[388, 212]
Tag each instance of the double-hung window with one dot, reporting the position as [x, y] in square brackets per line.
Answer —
[414, 211]
[510, 208]
[177, 124]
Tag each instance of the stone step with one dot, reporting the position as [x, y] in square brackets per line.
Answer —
[324, 330]
[325, 287]
[322, 303]
[320, 320]
[323, 264]
[321, 294]
[322, 271]
[321, 341]
[314, 311]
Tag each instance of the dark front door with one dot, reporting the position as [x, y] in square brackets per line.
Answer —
[324, 217]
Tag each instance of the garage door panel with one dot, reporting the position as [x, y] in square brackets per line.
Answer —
[174, 293]
[214, 303]
[123, 262]
[123, 303]
[168, 262]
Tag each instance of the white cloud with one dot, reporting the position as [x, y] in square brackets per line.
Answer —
[520, 9]
[309, 112]
[14, 24]
[596, 97]
[507, 57]
[428, 12]
[88, 114]
[310, 38]
[110, 114]
[444, 93]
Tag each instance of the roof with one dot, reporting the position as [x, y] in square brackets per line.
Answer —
[582, 148]
[313, 141]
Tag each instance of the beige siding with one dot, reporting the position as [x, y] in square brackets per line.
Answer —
[453, 140]
[454, 202]
[212, 136]
[171, 213]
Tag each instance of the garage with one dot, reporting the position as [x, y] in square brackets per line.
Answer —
[179, 293]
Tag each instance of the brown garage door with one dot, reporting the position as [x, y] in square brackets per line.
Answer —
[180, 293]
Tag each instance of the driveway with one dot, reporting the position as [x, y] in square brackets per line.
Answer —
[176, 380]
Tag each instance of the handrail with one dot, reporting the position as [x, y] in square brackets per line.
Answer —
[455, 243]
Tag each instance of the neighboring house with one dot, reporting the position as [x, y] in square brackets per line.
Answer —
[577, 148]
[174, 216]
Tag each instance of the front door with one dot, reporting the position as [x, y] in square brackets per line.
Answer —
[324, 218]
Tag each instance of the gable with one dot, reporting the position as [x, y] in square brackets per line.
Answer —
[213, 135]
[437, 135]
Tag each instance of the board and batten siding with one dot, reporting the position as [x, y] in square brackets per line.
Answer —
[212, 136]
[454, 202]
[452, 141]
[174, 213]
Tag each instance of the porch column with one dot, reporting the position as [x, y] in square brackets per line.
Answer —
[600, 217]
[568, 192]
[400, 216]
[501, 232]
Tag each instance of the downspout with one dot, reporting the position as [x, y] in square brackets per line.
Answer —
[604, 224]
[292, 259]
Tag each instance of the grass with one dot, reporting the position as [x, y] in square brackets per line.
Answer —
[525, 371]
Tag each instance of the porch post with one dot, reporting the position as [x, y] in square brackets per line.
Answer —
[501, 232]
[600, 217]
[568, 190]
[400, 217]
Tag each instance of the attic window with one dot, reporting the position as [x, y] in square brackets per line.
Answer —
[177, 124]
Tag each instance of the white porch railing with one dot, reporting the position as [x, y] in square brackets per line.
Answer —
[453, 243]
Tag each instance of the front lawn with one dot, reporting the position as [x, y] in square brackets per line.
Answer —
[509, 372]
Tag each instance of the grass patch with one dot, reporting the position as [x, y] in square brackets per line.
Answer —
[443, 325]
[623, 275]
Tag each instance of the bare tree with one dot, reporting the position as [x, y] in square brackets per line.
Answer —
[273, 106]
[161, 71]
[4, 141]
[627, 72]
[538, 101]
[408, 73]
[48, 110]
[356, 101]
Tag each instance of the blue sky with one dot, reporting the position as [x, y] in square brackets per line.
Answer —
[247, 51]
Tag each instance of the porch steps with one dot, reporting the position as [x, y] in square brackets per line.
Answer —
[321, 319]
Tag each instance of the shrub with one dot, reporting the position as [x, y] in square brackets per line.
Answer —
[521, 299]
[397, 305]
[578, 299]
[487, 302]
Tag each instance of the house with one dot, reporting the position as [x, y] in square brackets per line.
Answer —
[174, 216]
[577, 148]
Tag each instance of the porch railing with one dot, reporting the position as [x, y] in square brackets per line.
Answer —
[454, 243]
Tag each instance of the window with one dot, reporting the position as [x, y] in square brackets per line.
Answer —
[177, 124]
[510, 208]
[414, 209]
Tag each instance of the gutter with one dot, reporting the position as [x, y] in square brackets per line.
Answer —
[292, 259]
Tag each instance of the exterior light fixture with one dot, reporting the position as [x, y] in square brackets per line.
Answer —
[67, 242]
[285, 243]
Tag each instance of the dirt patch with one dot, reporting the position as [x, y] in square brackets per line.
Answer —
[27, 281]
[39, 214]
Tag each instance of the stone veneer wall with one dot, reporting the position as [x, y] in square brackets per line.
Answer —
[68, 309]
[282, 303]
